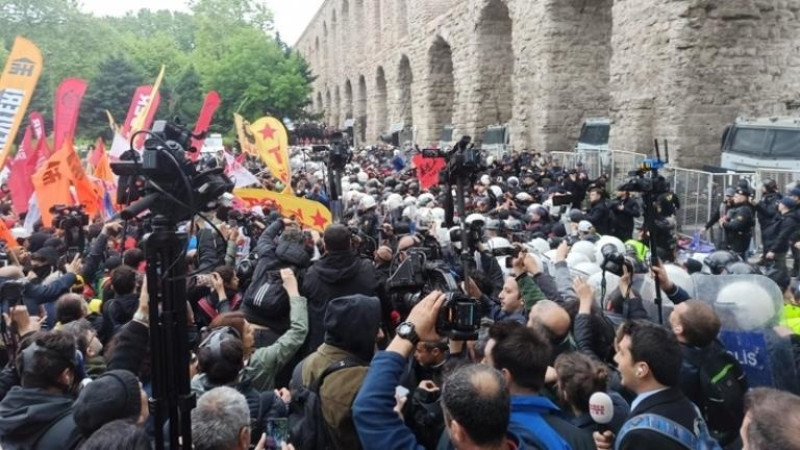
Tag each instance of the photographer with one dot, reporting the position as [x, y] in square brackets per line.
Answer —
[475, 399]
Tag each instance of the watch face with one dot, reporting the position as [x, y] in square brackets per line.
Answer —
[404, 329]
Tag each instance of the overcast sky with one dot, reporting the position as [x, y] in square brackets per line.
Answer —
[291, 16]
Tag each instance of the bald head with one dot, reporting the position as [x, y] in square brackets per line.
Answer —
[548, 317]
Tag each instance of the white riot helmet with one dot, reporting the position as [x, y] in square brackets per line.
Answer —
[410, 201]
[513, 181]
[539, 245]
[393, 201]
[586, 248]
[367, 202]
[485, 180]
[496, 190]
[438, 214]
[424, 199]
[499, 243]
[475, 217]
[362, 177]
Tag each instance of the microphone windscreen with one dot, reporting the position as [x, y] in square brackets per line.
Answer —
[601, 408]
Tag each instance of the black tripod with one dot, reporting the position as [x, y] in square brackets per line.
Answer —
[172, 399]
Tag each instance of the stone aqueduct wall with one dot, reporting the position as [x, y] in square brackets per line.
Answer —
[669, 69]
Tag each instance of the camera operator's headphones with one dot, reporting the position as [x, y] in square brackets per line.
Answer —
[215, 339]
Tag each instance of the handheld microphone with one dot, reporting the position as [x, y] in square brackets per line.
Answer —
[601, 408]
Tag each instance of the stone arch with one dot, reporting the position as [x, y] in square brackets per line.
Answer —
[496, 66]
[319, 106]
[441, 88]
[405, 79]
[333, 42]
[317, 55]
[361, 109]
[381, 112]
[328, 107]
[337, 109]
[348, 100]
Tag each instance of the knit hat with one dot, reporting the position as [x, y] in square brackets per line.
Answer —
[789, 202]
[795, 192]
[113, 395]
[48, 254]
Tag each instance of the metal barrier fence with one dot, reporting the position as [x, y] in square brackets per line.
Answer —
[700, 194]
[616, 164]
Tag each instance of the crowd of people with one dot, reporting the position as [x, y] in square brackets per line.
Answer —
[304, 339]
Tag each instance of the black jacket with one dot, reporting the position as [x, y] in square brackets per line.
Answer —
[117, 312]
[31, 418]
[767, 209]
[778, 234]
[599, 216]
[210, 250]
[669, 403]
[337, 274]
[622, 219]
[265, 302]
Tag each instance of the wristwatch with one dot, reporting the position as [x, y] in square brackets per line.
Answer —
[406, 331]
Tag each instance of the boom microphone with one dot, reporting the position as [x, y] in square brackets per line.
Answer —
[601, 408]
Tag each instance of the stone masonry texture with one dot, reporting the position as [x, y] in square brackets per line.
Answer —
[679, 70]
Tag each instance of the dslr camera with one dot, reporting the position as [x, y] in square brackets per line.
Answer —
[613, 261]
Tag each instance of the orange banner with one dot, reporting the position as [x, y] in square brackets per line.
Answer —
[21, 73]
[87, 195]
[5, 234]
[309, 213]
[51, 183]
[272, 144]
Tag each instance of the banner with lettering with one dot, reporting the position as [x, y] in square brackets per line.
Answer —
[21, 73]
[140, 98]
[143, 105]
[247, 141]
[52, 184]
[210, 105]
[144, 118]
[66, 109]
[272, 144]
[42, 151]
[428, 170]
[309, 213]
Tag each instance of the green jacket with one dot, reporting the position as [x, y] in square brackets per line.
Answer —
[337, 393]
[529, 291]
[266, 362]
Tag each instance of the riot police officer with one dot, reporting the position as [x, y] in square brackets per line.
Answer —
[738, 222]
[767, 208]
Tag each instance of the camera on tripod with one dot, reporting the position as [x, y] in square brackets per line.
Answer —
[164, 180]
[66, 217]
[462, 161]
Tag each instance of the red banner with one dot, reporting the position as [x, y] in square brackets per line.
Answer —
[42, 151]
[19, 177]
[140, 100]
[428, 170]
[210, 105]
[67, 107]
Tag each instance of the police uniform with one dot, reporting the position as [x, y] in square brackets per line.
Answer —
[739, 226]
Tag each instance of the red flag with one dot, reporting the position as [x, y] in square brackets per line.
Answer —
[19, 177]
[140, 100]
[428, 170]
[5, 234]
[210, 105]
[65, 113]
[99, 152]
[52, 183]
[42, 152]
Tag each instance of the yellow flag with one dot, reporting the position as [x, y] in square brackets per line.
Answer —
[246, 139]
[138, 121]
[309, 213]
[21, 73]
[272, 144]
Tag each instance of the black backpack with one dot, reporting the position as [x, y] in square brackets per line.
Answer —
[307, 427]
[723, 384]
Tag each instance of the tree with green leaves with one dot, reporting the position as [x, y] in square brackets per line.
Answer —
[111, 89]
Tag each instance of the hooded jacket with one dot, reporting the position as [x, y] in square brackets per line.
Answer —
[27, 414]
[344, 340]
[337, 274]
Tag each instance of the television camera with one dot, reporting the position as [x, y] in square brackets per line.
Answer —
[163, 180]
[71, 220]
